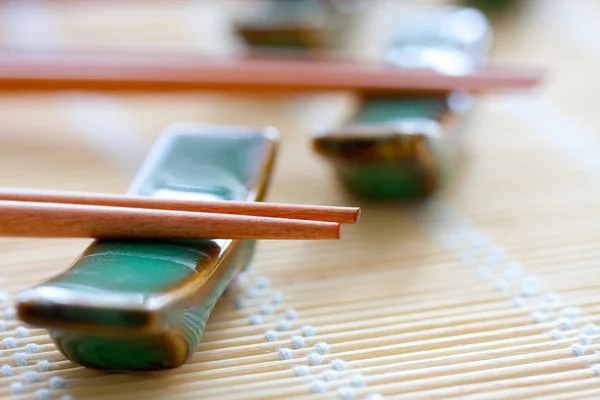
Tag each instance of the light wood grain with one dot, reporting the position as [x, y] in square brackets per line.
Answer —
[340, 215]
[55, 220]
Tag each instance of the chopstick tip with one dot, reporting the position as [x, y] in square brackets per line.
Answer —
[357, 215]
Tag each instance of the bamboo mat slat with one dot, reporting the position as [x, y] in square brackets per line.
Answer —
[488, 291]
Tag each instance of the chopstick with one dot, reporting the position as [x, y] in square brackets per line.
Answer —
[50, 71]
[52, 220]
[341, 215]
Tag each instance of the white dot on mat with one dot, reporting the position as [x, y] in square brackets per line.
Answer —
[519, 301]
[501, 285]
[283, 325]
[6, 370]
[20, 359]
[277, 298]
[329, 375]
[255, 319]
[291, 314]
[262, 282]
[347, 393]
[338, 364]
[584, 339]
[545, 307]
[30, 377]
[318, 386]
[538, 317]
[478, 240]
[450, 241]
[495, 255]
[10, 313]
[564, 323]
[266, 309]
[556, 334]
[512, 270]
[239, 282]
[22, 331]
[462, 226]
[590, 329]
[2, 325]
[16, 388]
[42, 394]
[577, 349]
[10, 342]
[271, 335]
[375, 396]
[357, 380]
[314, 358]
[285, 353]
[56, 382]
[530, 286]
[252, 293]
[4, 297]
[467, 257]
[551, 297]
[322, 348]
[307, 330]
[300, 370]
[298, 342]
[571, 312]
[241, 303]
[596, 368]
[43, 366]
[484, 272]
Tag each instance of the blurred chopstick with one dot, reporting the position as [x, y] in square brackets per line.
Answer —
[54, 220]
[342, 215]
[50, 71]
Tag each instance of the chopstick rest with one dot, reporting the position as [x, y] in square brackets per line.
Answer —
[142, 305]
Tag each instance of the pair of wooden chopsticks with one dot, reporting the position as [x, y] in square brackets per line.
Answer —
[59, 214]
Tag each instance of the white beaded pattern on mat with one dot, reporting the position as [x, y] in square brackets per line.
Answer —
[492, 263]
[25, 367]
[265, 306]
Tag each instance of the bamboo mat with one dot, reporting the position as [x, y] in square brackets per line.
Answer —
[487, 292]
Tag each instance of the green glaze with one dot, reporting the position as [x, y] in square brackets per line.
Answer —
[402, 148]
[392, 152]
[299, 25]
[379, 111]
[143, 305]
[386, 180]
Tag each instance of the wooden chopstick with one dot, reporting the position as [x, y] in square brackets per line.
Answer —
[342, 215]
[51, 220]
[43, 71]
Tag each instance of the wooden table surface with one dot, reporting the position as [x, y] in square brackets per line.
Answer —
[489, 291]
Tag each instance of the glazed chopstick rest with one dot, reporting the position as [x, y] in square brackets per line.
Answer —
[342, 215]
[143, 305]
[51, 220]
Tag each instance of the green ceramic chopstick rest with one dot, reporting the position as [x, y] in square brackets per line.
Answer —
[404, 148]
[142, 305]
